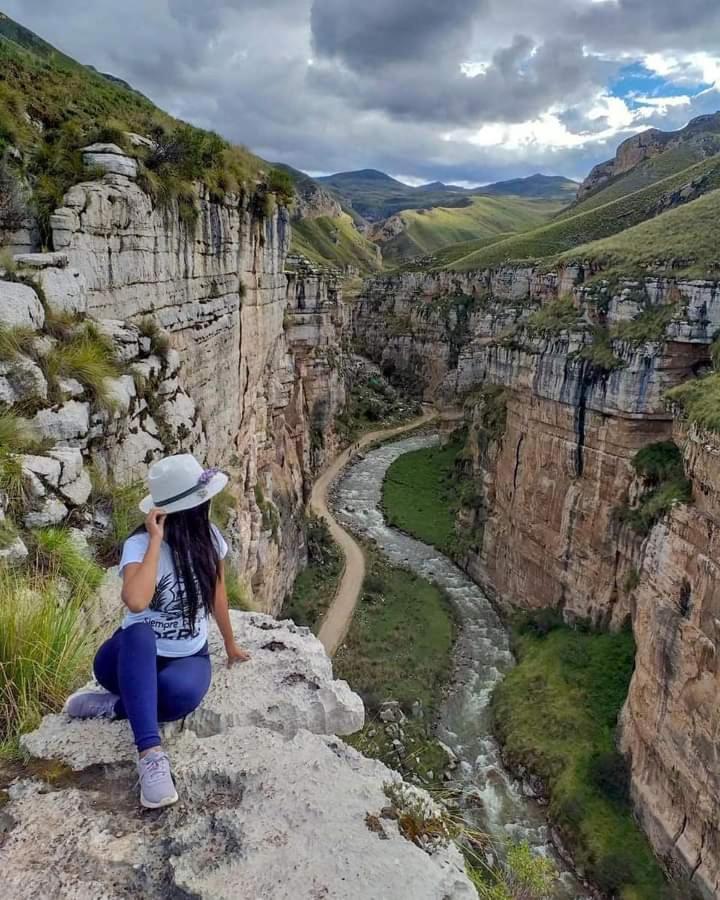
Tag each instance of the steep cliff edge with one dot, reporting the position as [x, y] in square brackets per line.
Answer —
[262, 778]
[563, 375]
[255, 374]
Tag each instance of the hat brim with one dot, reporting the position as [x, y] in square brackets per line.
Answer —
[197, 498]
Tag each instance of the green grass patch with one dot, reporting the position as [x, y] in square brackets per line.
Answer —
[88, 357]
[222, 508]
[315, 587]
[662, 470]
[653, 246]
[57, 553]
[484, 218]
[554, 317]
[377, 659]
[699, 401]
[556, 713]
[45, 651]
[119, 505]
[650, 325]
[420, 494]
[380, 663]
[334, 241]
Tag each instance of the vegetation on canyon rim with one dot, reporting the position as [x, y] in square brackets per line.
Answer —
[50, 107]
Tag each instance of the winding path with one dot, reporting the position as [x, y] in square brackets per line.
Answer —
[337, 619]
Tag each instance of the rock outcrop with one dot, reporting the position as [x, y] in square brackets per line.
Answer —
[261, 777]
[253, 377]
[703, 133]
[560, 396]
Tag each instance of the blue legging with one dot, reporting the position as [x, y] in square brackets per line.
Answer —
[151, 688]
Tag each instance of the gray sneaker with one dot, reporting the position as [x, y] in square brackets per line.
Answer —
[156, 785]
[91, 705]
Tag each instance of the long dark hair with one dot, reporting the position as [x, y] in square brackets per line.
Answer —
[195, 554]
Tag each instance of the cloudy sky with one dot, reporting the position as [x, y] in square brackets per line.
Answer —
[467, 91]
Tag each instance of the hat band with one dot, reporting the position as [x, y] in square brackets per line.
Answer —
[202, 483]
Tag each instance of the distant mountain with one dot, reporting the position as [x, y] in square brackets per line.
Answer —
[699, 139]
[376, 196]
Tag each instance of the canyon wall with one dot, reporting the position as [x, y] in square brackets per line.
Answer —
[560, 395]
[256, 372]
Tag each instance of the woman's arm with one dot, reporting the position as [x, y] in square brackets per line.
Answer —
[139, 578]
[222, 617]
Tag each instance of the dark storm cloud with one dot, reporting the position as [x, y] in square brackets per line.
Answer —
[377, 32]
[385, 86]
[520, 82]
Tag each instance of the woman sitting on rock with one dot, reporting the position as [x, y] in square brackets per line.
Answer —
[156, 666]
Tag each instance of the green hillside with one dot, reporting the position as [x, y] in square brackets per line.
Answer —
[376, 196]
[335, 242]
[680, 242]
[645, 173]
[429, 230]
[51, 106]
[594, 224]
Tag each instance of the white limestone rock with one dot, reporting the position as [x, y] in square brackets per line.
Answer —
[68, 423]
[14, 552]
[70, 388]
[109, 158]
[20, 306]
[78, 491]
[21, 379]
[124, 336]
[71, 460]
[41, 260]
[288, 685]
[51, 512]
[43, 466]
[129, 457]
[268, 809]
[65, 289]
[121, 392]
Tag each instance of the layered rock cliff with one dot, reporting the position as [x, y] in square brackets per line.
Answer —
[563, 378]
[253, 379]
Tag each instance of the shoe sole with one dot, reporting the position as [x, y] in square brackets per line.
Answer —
[166, 801]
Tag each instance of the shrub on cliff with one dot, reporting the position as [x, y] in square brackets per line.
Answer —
[661, 468]
[699, 401]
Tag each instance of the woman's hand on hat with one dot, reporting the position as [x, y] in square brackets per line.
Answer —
[155, 524]
[236, 654]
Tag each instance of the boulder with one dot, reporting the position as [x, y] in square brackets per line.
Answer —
[21, 379]
[44, 466]
[269, 807]
[71, 460]
[20, 306]
[78, 491]
[109, 158]
[69, 422]
[50, 512]
[13, 552]
[65, 289]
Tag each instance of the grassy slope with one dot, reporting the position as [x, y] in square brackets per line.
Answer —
[430, 230]
[377, 659]
[669, 163]
[682, 241]
[604, 221]
[566, 684]
[334, 241]
[419, 495]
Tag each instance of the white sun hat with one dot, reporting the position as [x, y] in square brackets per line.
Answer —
[180, 482]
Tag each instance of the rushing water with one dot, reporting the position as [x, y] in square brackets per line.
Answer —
[482, 657]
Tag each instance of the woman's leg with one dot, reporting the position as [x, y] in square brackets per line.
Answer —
[127, 665]
[182, 683]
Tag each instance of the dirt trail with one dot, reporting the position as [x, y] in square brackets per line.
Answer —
[339, 615]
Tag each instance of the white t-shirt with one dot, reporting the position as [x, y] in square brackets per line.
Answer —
[165, 612]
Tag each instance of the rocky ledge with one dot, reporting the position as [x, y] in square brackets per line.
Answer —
[272, 803]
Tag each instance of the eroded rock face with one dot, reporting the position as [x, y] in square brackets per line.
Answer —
[259, 381]
[671, 720]
[272, 804]
[551, 477]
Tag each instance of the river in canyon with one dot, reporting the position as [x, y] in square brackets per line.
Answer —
[481, 657]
